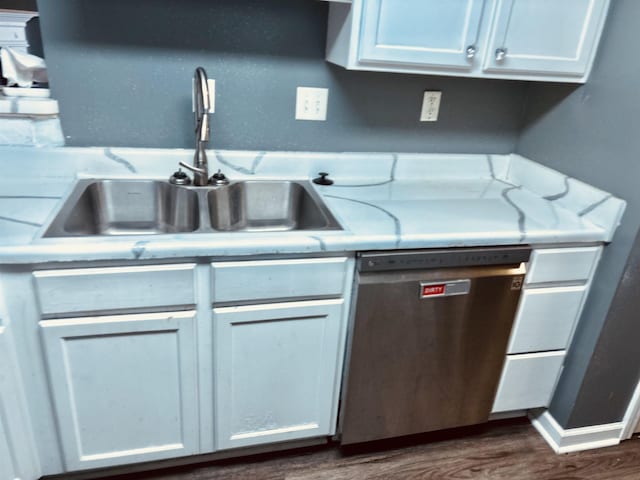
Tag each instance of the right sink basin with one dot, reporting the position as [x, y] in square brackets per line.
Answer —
[263, 205]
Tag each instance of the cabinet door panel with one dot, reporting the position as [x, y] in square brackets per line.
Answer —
[17, 450]
[545, 36]
[124, 387]
[8, 467]
[276, 371]
[425, 32]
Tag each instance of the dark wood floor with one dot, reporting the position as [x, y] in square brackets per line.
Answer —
[510, 450]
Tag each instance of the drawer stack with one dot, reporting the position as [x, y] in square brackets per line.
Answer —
[556, 286]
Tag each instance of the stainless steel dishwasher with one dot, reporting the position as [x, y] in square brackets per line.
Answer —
[428, 339]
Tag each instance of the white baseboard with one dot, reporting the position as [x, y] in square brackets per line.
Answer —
[632, 415]
[575, 439]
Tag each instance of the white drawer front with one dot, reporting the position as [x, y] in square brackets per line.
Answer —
[545, 319]
[278, 279]
[528, 381]
[114, 288]
[562, 264]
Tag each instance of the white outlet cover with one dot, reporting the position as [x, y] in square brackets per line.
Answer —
[430, 106]
[311, 103]
[211, 83]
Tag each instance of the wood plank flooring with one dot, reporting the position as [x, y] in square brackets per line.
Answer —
[510, 450]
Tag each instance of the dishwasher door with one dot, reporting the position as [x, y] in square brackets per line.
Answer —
[427, 349]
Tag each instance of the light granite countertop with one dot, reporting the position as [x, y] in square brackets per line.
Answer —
[383, 201]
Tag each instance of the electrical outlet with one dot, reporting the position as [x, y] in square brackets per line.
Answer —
[211, 83]
[430, 106]
[311, 103]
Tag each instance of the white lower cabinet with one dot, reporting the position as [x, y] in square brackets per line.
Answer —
[277, 371]
[131, 381]
[7, 467]
[124, 387]
[17, 450]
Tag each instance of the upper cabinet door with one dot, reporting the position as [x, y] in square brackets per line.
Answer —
[421, 32]
[544, 36]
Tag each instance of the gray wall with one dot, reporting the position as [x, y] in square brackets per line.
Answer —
[593, 133]
[122, 72]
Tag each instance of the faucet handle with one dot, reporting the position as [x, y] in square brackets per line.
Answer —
[218, 179]
[179, 178]
[202, 171]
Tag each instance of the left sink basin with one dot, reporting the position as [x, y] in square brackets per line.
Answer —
[126, 207]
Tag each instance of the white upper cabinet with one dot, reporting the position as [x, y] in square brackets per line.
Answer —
[513, 39]
[544, 36]
[389, 34]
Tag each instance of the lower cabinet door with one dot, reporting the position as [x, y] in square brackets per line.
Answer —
[8, 467]
[17, 451]
[276, 375]
[124, 387]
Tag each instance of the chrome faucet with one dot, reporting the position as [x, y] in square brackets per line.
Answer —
[200, 168]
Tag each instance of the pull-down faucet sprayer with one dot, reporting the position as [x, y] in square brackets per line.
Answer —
[200, 168]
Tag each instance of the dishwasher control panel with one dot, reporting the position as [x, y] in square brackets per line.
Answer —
[441, 258]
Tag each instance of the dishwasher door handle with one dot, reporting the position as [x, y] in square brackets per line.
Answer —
[445, 289]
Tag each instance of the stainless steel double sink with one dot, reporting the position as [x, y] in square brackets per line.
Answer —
[147, 207]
